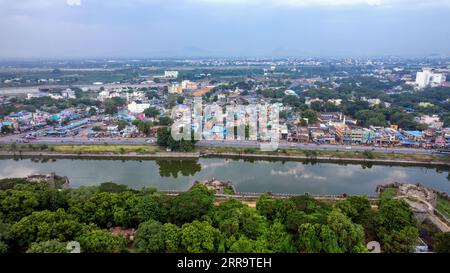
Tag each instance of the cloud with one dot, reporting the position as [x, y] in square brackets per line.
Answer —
[297, 172]
[73, 2]
[326, 3]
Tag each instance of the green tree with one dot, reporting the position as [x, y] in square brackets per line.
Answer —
[151, 207]
[309, 238]
[329, 240]
[17, 203]
[121, 124]
[151, 112]
[107, 209]
[310, 115]
[173, 238]
[101, 241]
[92, 111]
[52, 246]
[357, 208]
[112, 187]
[5, 235]
[278, 240]
[441, 242]
[394, 214]
[180, 99]
[199, 237]
[251, 224]
[350, 236]
[45, 226]
[401, 241]
[165, 121]
[267, 206]
[150, 237]
[191, 205]
[246, 245]
[3, 247]
[112, 105]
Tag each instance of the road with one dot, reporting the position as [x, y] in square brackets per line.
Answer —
[321, 147]
[210, 143]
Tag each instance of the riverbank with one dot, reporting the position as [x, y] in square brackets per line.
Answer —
[335, 159]
[154, 152]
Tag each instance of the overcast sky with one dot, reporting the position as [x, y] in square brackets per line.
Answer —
[177, 28]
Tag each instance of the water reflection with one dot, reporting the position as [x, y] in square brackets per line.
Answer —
[254, 175]
[173, 168]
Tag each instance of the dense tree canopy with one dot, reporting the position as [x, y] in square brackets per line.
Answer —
[192, 222]
[52, 246]
[150, 237]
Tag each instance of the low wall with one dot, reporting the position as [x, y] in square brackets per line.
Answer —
[328, 159]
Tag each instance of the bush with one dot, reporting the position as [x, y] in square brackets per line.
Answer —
[101, 241]
[52, 246]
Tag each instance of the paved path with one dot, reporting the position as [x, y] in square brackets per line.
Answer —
[422, 206]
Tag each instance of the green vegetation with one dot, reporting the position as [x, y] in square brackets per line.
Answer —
[389, 193]
[165, 140]
[441, 242]
[37, 219]
[443, 206]
[112, 105]
[228, 191]
[151, 112]
[84, 149]
[396, 226]
[333, 154]
[52, 246]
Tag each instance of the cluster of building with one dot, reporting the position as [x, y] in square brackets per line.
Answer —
[65, 93]
[334, 128]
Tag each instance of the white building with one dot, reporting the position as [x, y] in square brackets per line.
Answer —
[68, 94]
[427, 78]
[137, 108]
[175, 89]
[290, 93]
[431, 121]
[171, 74]
[373, 102]
[188, 85]
[336, 102]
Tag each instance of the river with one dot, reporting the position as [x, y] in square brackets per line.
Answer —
[248, 176]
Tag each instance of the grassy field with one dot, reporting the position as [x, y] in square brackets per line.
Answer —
[443, 206]
[87, 149]
[149, 149]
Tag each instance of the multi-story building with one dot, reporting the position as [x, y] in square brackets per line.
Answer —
[427, 78]
[137, 108]
[175, 89]
[171, 74]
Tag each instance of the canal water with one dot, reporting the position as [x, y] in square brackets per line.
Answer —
[247, 175]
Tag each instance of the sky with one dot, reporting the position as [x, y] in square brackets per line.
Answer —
[223, 28]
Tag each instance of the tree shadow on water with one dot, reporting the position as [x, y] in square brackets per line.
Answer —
[174, 168]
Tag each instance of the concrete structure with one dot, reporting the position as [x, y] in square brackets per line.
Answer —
[137, 108]
[427, 78]
[188, 85]
[431, 121]
[175, 89]
[171, 74]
